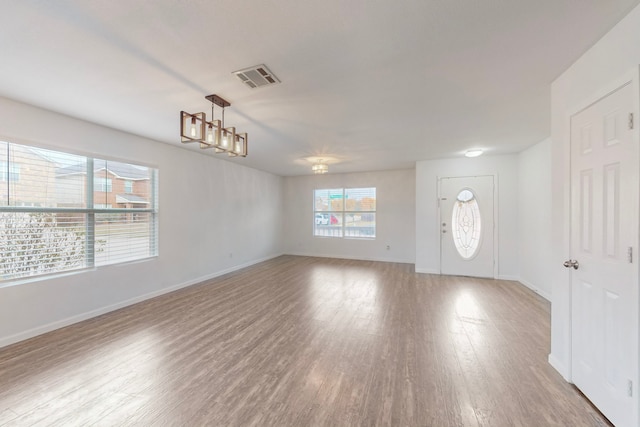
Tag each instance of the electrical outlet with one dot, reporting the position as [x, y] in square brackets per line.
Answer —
[388, 247]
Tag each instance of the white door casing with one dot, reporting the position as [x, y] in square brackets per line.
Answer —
[604, 246]
[480, 263]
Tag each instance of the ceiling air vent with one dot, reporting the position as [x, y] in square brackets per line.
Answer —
[257, 76]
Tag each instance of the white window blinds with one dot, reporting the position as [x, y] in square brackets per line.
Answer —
[62, 212]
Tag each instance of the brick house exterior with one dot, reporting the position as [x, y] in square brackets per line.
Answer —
[23, 170]
[115, 185]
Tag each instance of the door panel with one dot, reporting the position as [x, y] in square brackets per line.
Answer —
[586, 207]
[464, 260]
[604, 171]
[611, 210]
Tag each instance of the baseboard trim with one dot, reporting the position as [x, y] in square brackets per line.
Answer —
[542, 293]
[507, 277]
[34, 332]
[427, 271]
[358, 258]
[560, 367]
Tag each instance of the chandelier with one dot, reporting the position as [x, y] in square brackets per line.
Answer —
[319, 168]
[213, 134]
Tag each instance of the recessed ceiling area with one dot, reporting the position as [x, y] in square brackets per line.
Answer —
[377, 85]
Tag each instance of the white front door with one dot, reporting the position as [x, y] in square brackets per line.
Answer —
[604, 251]
[466, 226]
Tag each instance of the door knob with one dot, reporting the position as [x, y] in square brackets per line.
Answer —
[572, 263]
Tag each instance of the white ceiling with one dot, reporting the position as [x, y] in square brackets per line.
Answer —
[372, 84]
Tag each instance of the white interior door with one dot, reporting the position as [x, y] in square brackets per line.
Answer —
[466, 226]
[604, 230]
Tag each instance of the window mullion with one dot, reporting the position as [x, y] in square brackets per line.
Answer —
[90, 258]
[7, 177]
[153, 223]
[344, 202]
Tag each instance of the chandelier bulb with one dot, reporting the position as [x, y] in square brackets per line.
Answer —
[194, 133]
[210, 134]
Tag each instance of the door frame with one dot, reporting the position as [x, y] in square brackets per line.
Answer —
[496, 245]
[632, 78]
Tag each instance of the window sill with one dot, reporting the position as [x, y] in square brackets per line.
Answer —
[41, 277]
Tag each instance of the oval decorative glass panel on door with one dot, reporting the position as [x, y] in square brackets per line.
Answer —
[466, 225]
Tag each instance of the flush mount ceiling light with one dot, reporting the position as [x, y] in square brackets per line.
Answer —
[473, 153]
[320, 168]
[213, 134]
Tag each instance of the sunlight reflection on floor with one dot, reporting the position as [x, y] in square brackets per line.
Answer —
[352, 293]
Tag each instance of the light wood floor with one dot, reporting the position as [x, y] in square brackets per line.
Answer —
[300, 341]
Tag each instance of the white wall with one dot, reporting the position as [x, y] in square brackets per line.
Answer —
[534, 217]
[395, 216]
[214, 217]
[589, 78]
[428, 229]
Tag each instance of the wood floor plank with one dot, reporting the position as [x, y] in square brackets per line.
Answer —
[302, 341]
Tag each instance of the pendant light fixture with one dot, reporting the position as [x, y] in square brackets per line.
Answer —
[213, 134]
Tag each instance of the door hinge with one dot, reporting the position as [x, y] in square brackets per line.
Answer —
[630, 254]
[629, 388]
[630, 120]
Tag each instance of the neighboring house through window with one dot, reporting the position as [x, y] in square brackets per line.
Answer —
[102, 184]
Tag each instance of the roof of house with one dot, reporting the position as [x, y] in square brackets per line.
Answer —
[130, 198]
[121, 170]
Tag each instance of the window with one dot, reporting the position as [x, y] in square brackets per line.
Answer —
[345, 212]
[128, 187]
[466, 224]
[51, 220]
[11, 173]
[102, 184]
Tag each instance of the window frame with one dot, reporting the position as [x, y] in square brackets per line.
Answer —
[90, 211]
[343, 214]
